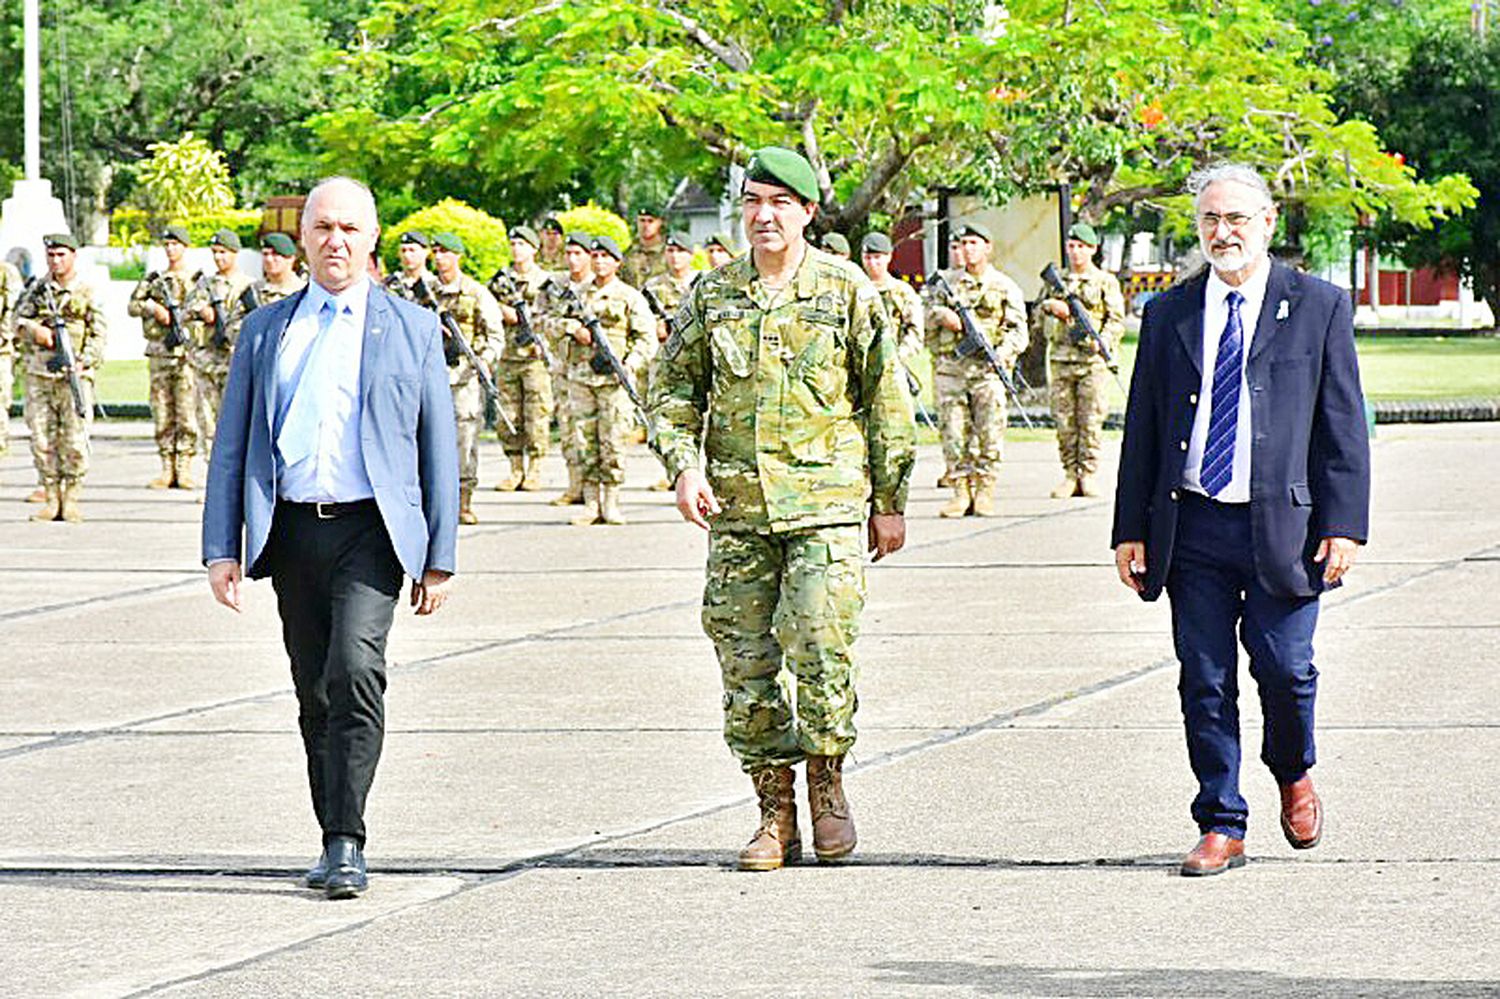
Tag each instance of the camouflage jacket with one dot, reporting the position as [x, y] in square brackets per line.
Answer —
[10, 293]
[669, 292]
[221, 293]
[1100, 293]
[643, 262]
[478, 316]
[264, 294]
[629, 326]
[552, 308]
[79, 305]
[530, 288]
[999, 310]
[399, 285]
[157, 287]
[904, 307]
[795, 395]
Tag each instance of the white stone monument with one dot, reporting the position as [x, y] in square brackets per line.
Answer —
[31, 211]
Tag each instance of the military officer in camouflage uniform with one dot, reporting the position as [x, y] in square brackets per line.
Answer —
[522, 377]
[670, 289]
[603, 415]
[902, 303]
[59, 436]
[567, 352]
[1078, 372]
[720, 250]
[172, 394]
[783, 368]
[211, 304]
[647, 255]
[480, 323]
[10, 291]
[971, 400]
[412, 249]
[836, 244]
[550, 256]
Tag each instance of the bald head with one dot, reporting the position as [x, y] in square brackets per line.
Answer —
[339, 230]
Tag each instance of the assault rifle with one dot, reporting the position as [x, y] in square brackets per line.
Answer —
[1082, 329]
[176, 333]
[455, 336]
[250, 299]
[63, 357]
[220, 338]
[604, 360]
[505, 288]
[975, 342]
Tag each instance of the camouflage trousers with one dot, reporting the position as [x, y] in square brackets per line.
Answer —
[784, 609]
[468, 410]
[7, 386]
[601, 430]
[172, 406]
[526, 397]
[59, 436]
[563, 405]
[1079, 405]
[208, 390]
[971, 416]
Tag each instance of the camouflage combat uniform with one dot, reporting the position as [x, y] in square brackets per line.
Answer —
[401, 286]
[59, 436]
[1080, 380]
[522, 378]
[566, 354]
[10, 291]
[904, 307]
[643, 262]
[262, 292]
[479, 321]
[806, 428]
[208, 356]
[602, 414]
[172, 402]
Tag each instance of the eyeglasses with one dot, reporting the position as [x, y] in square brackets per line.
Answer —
[1209, 221]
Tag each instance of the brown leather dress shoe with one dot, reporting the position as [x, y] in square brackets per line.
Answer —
[1301, 814]
[1214, 854]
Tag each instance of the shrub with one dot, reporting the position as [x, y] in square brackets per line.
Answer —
[485, 244]
[596, 221]
[136, 227]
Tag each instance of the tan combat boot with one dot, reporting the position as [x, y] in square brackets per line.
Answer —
[167, 476]
[1088, 485]
[37, 495]
[574, 493]
[68, 501]
[512, 482]
[182, 467]
[590, 512]
[1066, 488]
[532, 480]
[609, 504]
[51, 502]
[945, 481]
[833, 827]
[777, 841]
[984, 496]
[466, 507]
[958, 506]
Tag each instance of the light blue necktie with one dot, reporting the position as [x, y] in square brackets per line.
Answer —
[298, 439]
[1224, 412]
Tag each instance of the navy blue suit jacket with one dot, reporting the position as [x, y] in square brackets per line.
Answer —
[1310, 447]
[407, 434]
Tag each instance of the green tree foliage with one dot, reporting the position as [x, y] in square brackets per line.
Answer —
[486, 247]
[182, 178]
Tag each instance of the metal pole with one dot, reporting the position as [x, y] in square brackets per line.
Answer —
[1064, 218]
[33, 97]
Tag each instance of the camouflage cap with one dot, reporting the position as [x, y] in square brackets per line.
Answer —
[784, 168]
[226, 238]
[876, 242]
[978, 229]
[581, 239]
[721, 239]
[680, 239]
[447, 241]
[279, 243]
[177, 232]
[416, 237]
[63, 239]
[609, 246]
[525, 232]
[550, 224]
[1084, 233]
[834, 242]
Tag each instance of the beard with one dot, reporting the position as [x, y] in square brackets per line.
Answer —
[1233, 254]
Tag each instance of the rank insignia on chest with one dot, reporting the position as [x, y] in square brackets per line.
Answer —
[770, 337]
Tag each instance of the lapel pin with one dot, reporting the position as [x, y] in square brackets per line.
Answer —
[1282, 310]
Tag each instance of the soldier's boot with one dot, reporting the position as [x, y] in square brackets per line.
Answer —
[609, 504]
[590, 512]
[946, 480]
[182, 467]
[661, 486]
[37, 495]
[532, 480]
[959, 505]
[68, 501]
[168, 474]
[51, 502]
[1088, 485]
[574, 493]
[1066, 488]
[983, 488]
[512, 482]
[466, 507]
[833, 826]
[777, 840]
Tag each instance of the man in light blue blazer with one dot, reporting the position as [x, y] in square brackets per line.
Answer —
[335, 473]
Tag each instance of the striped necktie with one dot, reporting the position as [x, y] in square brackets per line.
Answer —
[1224, 412]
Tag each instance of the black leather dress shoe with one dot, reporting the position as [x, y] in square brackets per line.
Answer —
[346, 876]
[317, 877]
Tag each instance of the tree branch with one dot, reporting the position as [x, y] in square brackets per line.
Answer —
[729, 53]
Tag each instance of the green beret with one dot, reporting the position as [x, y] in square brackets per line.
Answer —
[1084, 233]
[416, 237]
[447, 241]
[60, 239]
[525, 232]
[680, 239]
[609, 246]
[876, 242]
[582, 239]
[784, 168]
[975, 229]
[834, 242]
[225, 238]
[279, 243]
[721, 239]
[551, 224]
[178, 233]
[650, 208]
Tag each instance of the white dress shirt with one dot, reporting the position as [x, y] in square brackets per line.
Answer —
[1215, 318]
[335, 470]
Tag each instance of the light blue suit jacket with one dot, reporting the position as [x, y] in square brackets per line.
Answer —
[407, 435]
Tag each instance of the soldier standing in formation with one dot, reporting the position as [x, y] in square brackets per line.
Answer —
[647, 256]
[480, 323]
[782, 379]
[1079, 375]
[550, 256]
[522, 378]
[10, 292]
[567, 353]
[278, 255]
[212, 305]
[720, 250]
[902, 303]
[971, 400]
[670, 288]
[602, 411]
[412, 250]
[836, 244]
[59, 435]
[172, 401]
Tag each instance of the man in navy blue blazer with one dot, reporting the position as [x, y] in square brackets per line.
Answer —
[335, 473]
[1243, 492]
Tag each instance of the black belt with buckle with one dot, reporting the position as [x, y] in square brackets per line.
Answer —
[329, 511]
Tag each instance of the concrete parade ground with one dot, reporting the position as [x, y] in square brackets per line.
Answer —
[556, 812]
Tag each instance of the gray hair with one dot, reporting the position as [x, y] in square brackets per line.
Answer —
[1239, 173]
[363, 192]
